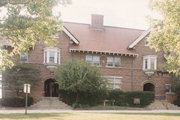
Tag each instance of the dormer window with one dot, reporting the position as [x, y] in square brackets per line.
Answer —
[51, 55]
[24, 57]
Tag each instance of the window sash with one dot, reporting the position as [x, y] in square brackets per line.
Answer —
[51, 56]
[114, 83]
[113, 61]
[149, 62]
[24, 57]
[94, 60]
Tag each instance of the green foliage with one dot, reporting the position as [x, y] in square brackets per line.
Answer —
[165, 33]
[26, 23]
[176, 84]
[21, 74]
[81, 78]
[85, 98]
[177, 101]
[15, 101]
[127, 98]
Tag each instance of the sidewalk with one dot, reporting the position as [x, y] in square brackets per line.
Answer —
[89, 111]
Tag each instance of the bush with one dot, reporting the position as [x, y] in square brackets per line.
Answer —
[85, 98]
[15, 101]
[177, 101]
[127, 98]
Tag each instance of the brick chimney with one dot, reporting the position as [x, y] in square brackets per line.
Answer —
[97, 21]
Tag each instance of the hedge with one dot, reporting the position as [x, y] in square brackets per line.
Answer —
[15, 101]
[86, 98]
[177, 101]
[127, 98]
[121, 98]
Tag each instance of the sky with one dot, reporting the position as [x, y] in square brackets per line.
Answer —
[121, 13]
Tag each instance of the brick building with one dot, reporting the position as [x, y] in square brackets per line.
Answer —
[122, 54]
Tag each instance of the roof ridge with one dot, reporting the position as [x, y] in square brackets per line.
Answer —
[118, 27]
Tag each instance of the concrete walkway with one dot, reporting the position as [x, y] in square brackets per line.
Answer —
[89, 111]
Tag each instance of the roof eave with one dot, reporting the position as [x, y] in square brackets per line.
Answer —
[103, 52]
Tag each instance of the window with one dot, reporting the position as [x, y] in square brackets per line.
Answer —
[24, 57]
[168, 88]
[149, 62]
[51, 55]
[115, 82]
[113, 61]
[94, 60]
[147, 43]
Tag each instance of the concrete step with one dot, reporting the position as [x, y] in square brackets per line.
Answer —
[50, 103]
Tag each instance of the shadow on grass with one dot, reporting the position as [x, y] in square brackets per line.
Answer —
[40, 116]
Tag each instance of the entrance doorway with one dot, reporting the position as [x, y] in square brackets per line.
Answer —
[51, 88]
[148, 87]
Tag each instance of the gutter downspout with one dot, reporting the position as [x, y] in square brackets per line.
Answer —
[132, 75]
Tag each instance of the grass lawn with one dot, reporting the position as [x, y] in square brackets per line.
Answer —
[90, 116]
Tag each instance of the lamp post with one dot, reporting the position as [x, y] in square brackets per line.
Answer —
[27, 88]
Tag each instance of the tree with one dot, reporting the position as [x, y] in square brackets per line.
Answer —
[165, 33]
[80, 77]
[26, 23]
[20, 74]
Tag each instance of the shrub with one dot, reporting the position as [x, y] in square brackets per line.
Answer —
[15, 101]
[127, 98]
[85, 98]
[177, 101]
[82, 80]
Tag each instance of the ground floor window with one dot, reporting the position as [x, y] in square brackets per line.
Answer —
[115, 82]
[168, 88]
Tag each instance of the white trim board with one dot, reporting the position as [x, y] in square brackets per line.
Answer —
[144, 34]
[70, 35]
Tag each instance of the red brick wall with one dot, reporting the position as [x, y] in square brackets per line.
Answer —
[124, 71]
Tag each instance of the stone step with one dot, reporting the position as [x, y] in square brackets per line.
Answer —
[50, 103]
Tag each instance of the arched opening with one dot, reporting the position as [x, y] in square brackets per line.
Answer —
[51, 88]
[148, 87]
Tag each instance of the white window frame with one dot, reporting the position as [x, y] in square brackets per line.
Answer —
[47, 55]
[148, 58]
[114, 83]
[21, 56]
[113, 61]
[92, 60]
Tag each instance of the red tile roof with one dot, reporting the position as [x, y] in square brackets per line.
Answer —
[111, 39]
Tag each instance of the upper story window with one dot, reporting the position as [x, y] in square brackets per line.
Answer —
[150, 62]
[24, 57]
[147, 43]
[115, 82]
[51, 55]
[113, 62]
[94, 60]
